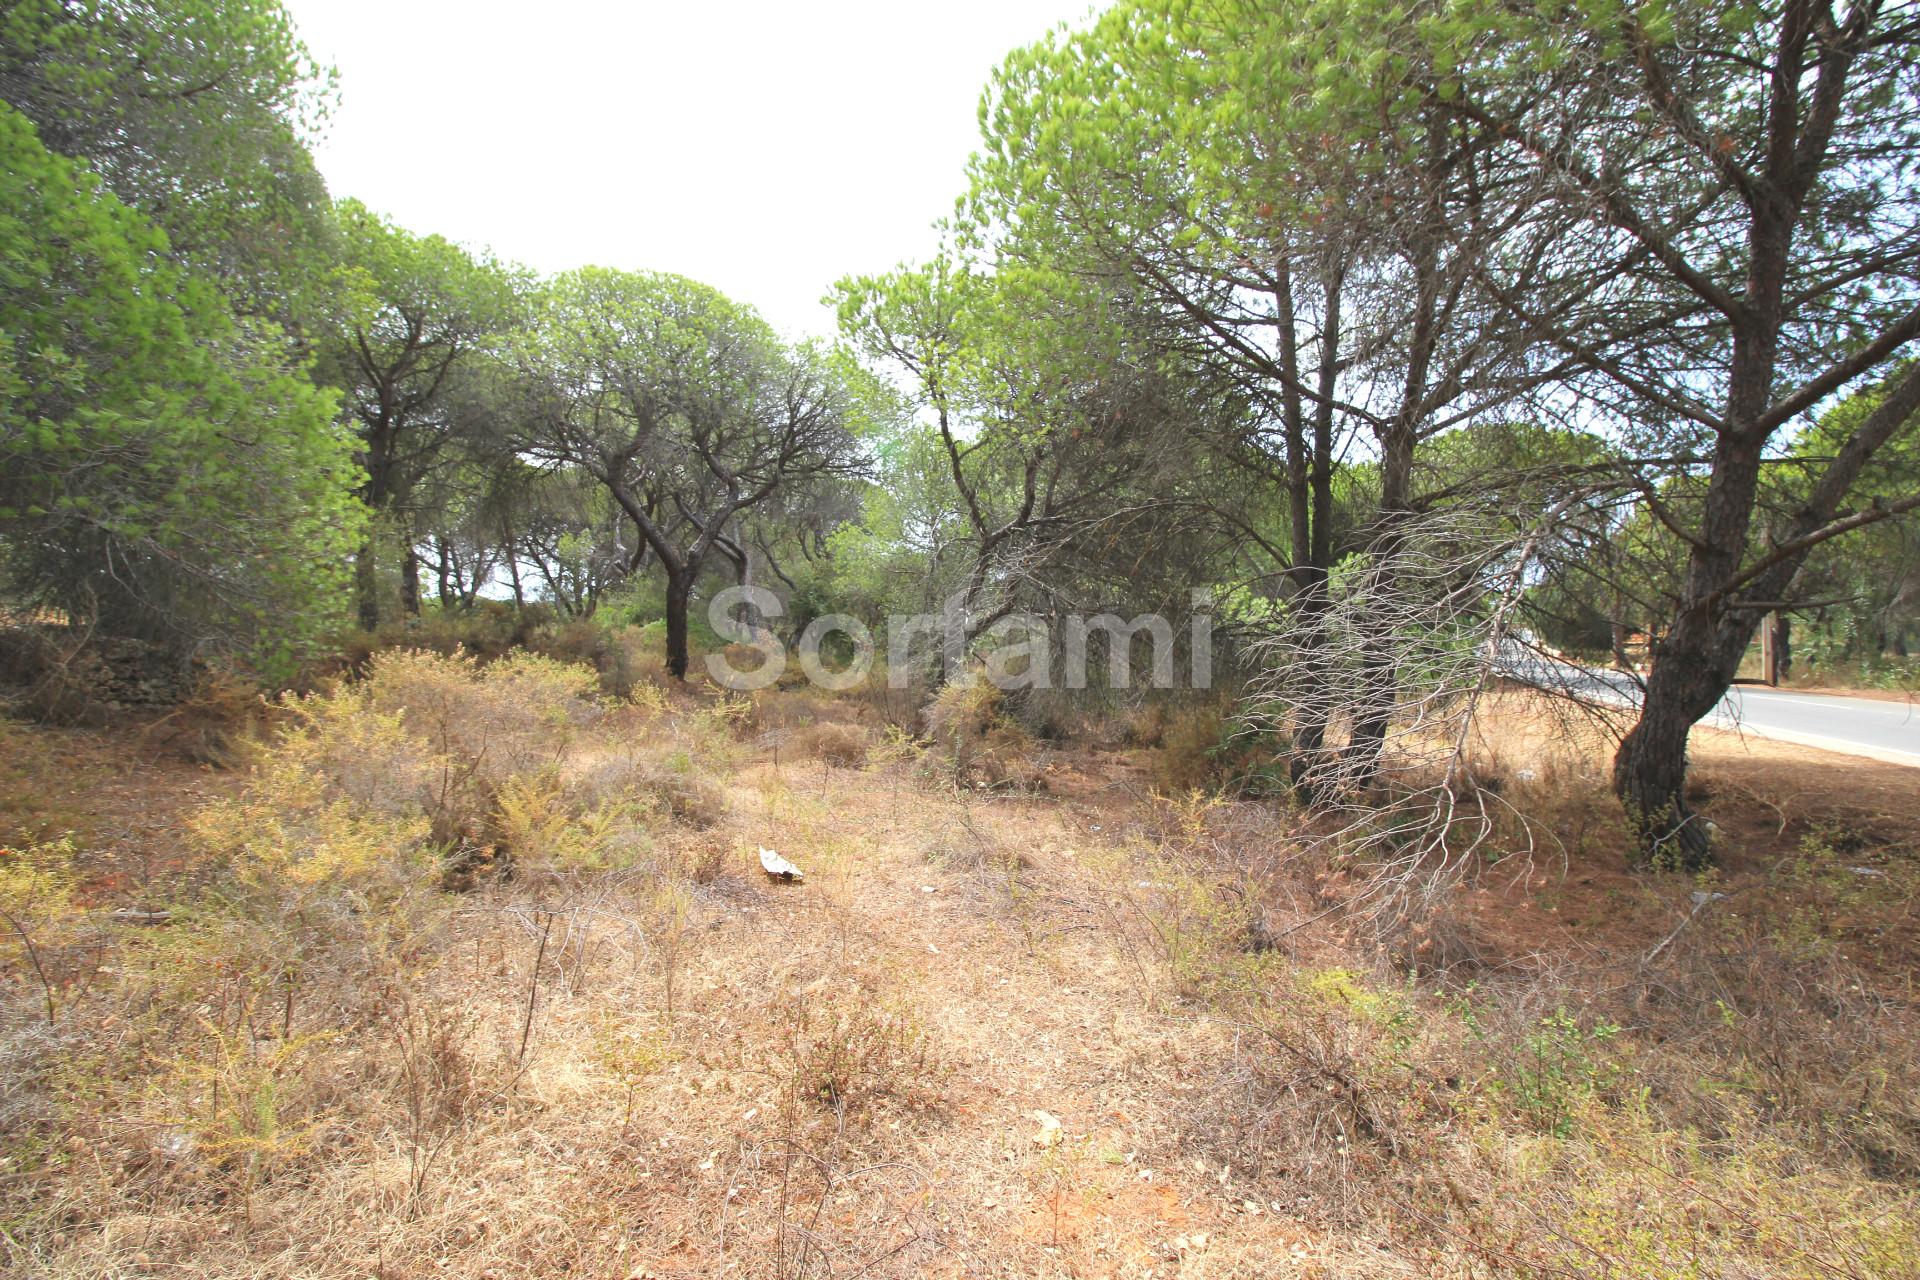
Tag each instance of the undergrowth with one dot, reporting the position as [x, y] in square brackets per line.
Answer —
[472, 969]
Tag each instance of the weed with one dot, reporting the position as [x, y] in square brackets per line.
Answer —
[37, 910]
[1560, 1070]
[836, 744]
[248, 1118]
[842, 1046]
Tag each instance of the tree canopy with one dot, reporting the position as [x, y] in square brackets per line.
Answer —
[169, 466]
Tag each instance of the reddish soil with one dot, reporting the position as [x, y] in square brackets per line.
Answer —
[122, 793]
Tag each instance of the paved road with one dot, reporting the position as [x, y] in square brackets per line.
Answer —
[1856, 726]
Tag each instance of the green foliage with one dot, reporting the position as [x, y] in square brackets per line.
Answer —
[194, 112]
[167, 468]
[408, 317]
[391, 285]
[889, 561]
[1044, 419]
[1559, 1069]
[680, 346]
[1867, 586]
[411, 333]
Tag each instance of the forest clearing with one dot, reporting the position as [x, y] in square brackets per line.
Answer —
[1055, 1025]
[1165, 638]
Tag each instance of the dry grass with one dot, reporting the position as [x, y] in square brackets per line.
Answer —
[979, 744]
[995, 1031]
[842, 745]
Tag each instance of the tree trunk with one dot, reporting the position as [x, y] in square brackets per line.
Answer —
[1693, 666]
[366, 585]
[443, 570]
[679, 595]
[510, 546]
[1380, 670]
[749, 615]
[1617, 635]
[1379, 674]
[1310, 488]
[1378, 684]
[1650, 768]
[366, 569]
[410, 581]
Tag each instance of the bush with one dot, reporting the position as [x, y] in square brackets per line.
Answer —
[1559, 1068]
[984, 745]
[696, 801]
[1626, 1199]
[963, 712]
[41, 926]
[614, 654]
[846, 1048]
[836, 744]
[1188, 757]
[1146, 725]
[364, 782]
[644, 786]
[540, 824]
[1204, 749]
[336, 799]
[494, 720]
[212, 726]
[787, 708]
[489, 629]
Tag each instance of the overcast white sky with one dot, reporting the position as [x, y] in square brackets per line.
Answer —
[763, 148]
